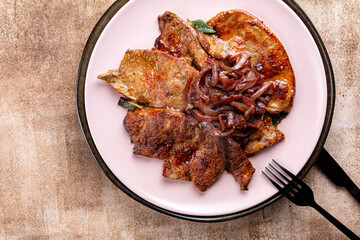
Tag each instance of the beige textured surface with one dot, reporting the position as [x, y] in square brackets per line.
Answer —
[52, 188]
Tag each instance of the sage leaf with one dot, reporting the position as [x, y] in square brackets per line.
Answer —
[129, 104]
[276, 118]
[202, 26]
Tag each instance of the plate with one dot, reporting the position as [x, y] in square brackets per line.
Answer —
[134, 26]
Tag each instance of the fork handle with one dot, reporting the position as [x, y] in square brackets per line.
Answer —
[336, 223]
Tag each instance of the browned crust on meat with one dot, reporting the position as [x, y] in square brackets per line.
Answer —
[179, 39]
[189, 152]
[268, 54]
[238, 164]
[225, 51]
[263, 138]
[176, 171]
[158, 77]
[206, 166]
[152, 77]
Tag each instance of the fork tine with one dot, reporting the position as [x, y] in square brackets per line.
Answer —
[282, 175]
[304, 197]
[277, 178]
[285, 170]
[273, 182]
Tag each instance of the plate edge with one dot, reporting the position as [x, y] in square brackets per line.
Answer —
[80, 105]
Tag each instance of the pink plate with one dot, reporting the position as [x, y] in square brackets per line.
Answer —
[135, 26]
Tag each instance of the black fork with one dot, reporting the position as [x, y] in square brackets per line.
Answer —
[301, 194]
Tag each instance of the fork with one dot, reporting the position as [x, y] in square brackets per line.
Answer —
[301, 194]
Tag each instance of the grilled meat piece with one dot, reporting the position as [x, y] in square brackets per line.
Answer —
[188, 151]
[225, 51]
[263, 138]
[256, 37]
[237, 30]
[179, 39]
[152, 77]
[159, 77]
[238, 164]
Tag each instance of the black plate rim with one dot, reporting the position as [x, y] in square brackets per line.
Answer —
[80, 105]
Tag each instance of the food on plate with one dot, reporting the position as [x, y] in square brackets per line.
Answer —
[237, 163]
[264, 137]
[232, 102]
[206, 96]
[268, 55]
[179, 38]
[152, 77]
[188, 152]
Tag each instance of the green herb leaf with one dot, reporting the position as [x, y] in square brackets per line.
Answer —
[130, 105]
[276, 118]
[202, 26]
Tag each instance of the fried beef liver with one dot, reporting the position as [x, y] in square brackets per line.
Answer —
[179, 39]
[263, 138]
[189, 152]
[237, 163]
[158, 78]
[238, 30]
[152, 77]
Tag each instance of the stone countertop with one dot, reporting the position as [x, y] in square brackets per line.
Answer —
[52, 188]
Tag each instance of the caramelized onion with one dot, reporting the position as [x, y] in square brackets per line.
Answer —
[250, 111]
[242, 60]
[225, 81]
[261, 91]
[202, 117]
[229, 100]
[199, 89]
[218, 133]
[215, 74]
[240, 106]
